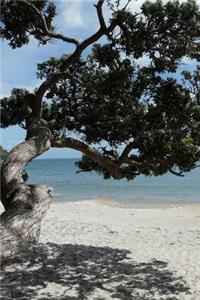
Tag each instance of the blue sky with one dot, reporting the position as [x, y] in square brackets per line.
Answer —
[75, 18]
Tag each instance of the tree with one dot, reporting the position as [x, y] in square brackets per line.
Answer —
[147, 117]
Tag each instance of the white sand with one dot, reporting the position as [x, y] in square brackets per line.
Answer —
[163, 261]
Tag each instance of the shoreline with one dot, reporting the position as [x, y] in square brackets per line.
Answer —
[128, 205]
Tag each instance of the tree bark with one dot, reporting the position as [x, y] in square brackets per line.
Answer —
[25, 205]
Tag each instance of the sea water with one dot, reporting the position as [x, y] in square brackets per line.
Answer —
[69, 185]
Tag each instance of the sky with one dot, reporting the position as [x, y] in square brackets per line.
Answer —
[76, 18]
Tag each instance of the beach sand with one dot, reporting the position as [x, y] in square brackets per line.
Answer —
[94, 250]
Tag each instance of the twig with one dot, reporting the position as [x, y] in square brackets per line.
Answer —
[176, 173]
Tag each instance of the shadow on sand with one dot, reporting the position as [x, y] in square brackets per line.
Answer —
[86, 272]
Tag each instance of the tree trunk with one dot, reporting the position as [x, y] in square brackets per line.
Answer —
[24, 204]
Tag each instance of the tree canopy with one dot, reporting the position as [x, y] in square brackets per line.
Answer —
[141, 119]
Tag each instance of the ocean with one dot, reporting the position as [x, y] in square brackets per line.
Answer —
[70, 186]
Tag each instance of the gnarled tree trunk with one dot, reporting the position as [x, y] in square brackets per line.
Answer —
[24, 204]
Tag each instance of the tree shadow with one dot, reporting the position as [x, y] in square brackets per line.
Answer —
[79, 271]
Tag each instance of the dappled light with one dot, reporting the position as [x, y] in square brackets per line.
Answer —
[85, 272]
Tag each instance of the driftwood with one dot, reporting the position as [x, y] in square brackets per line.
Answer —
[25, 205]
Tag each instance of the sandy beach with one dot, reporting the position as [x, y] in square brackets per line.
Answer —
[94, 250]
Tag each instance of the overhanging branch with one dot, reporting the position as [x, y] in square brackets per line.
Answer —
[117, 167]
[107, 163]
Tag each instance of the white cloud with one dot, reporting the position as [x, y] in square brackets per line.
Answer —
[72, 13]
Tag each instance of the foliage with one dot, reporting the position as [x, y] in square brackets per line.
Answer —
[108, 98]
[3, 152]
[12, 108]
[19, 21]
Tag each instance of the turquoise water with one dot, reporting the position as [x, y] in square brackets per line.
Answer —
[69, 186]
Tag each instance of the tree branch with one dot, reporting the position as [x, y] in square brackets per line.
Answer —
[100, 14]
[38, 13]
[126, 5]
[126, 151]
[63, 38]
[176, 173]
[87, 42]
[104, 162]
[101, 18]
[113, 165]
[46, 32]
[75, 56]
